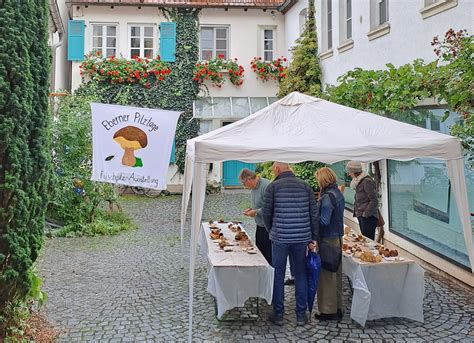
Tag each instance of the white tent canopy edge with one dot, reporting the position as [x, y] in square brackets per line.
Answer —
[303, 128]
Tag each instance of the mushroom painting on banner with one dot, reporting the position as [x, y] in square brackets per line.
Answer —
[131, 145]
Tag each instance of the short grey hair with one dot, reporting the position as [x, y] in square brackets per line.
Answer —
[246, 174]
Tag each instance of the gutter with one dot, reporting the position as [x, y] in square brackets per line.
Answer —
[199, 5]
[55, 14]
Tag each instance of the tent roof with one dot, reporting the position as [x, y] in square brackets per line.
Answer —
[301, 128]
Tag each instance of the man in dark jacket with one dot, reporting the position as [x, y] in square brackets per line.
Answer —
[291, 217]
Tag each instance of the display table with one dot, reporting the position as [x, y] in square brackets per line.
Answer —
[234, 276]
[386, 289]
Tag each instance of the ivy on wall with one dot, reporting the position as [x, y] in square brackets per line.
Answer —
[177, 92]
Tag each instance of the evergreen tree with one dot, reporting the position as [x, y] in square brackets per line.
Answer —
[24, 141]
[304, 72]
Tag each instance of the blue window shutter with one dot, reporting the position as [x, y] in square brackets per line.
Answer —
[75, 40]
[173, 152]
[168, 41]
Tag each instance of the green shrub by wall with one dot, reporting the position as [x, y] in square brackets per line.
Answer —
[24, 143]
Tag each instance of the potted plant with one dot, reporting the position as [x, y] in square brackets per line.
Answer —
[213, 71]
[272, 70]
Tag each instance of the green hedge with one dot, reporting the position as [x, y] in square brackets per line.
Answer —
[24, 143]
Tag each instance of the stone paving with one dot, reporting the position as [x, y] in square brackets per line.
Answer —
[134, 287]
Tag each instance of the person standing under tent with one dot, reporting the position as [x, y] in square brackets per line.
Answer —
[331, 229]
[257, 185]
[291, 217]
[366, 201]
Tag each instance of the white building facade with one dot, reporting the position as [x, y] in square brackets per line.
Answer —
[242, 31]
[368, 34]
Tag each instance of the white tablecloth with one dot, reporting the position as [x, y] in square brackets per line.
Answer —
[234, 276]
[383, 290]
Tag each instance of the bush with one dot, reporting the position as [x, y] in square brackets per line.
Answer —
[303, 170]
[78, 202]
[105, 223]
[24, 144]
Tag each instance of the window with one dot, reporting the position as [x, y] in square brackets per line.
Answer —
[327, 29]
[421, 204]
[229, 107]
[329, 23]
[348, 19]
[344, 179]
[303, 17]
[268, 38]
[214, 42]
[104, 39]
[142, 40]
[379, 16]
[383, 11]
[345, 26]
[433, 7]
[205, 126]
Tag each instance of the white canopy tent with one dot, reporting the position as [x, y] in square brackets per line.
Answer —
[303, 128]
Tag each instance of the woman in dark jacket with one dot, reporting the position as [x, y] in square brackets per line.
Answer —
[366, 201]
[331, 229]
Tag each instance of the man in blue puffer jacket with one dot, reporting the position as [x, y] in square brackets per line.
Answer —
[292, 220]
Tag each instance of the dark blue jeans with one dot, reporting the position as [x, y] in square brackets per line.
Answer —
[297, 254]
[368, 226]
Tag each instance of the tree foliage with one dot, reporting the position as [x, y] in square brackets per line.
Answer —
[304, 73]
[24, 142]
[391, 92]
[77, 202]
[395, 92]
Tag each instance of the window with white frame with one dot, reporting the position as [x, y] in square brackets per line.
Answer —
[142, 40]
[104, 39]
[302, 19]
[214, 42]
[345, 21]
[382, 11]
[329, 24]
[433, 7]
[268, 44]
[348, 19]
[379, 19]
[208, 108]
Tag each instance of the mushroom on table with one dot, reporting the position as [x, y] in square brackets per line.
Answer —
[131, 138]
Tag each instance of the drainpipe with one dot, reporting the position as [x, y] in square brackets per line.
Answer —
[54, 10]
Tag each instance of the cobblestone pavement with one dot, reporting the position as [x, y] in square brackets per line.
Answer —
[134, 287]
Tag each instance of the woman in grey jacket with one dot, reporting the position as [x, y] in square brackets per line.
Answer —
[366, 200]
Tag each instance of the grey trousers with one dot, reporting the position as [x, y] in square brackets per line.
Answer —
[330, 286]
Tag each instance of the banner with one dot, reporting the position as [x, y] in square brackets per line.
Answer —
[132, 145]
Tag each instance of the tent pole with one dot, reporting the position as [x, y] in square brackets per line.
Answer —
[199, 192]
[458, 182]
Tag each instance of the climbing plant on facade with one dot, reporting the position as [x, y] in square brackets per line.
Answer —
[304, 73]
[396, 92]
[24, 145]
